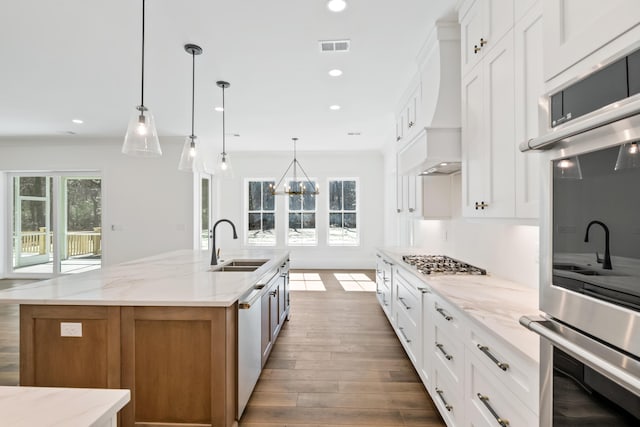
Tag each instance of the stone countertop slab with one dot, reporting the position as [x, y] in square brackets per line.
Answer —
[178, 278]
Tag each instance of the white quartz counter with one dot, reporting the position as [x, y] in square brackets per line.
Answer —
[179, 278]
[493, 303]
[68, 407]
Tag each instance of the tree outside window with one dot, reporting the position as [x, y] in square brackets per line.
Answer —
[302, 216]
[343, 213]
[261, 220]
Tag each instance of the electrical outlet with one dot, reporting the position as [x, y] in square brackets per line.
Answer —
[70, 329]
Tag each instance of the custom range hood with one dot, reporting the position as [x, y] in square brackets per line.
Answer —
[435, 149]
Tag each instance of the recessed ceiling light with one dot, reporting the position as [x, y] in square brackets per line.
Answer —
[335, 72]
[334, 107]
[77, 121]
[336, 5]
[219, 109]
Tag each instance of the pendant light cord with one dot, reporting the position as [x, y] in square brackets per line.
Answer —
[193, 89]
[142, 89]
[224, 150]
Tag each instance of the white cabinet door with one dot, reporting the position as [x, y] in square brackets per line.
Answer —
[482, 26]
[488, 135]
[529, 87]
[576, 28]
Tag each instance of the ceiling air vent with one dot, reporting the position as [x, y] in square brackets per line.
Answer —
[335, 45]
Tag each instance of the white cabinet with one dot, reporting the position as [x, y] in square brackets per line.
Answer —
[483, 23]
[408, 115]
[574, 29]
[407, 309]
[472, 375]
[529, 86]
[384, 280]
[488, 135]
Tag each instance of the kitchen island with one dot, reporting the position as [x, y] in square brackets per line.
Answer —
[165, 327]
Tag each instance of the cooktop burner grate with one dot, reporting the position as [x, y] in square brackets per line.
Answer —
[441, 264]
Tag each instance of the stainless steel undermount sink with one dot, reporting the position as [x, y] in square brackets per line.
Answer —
[239, 265]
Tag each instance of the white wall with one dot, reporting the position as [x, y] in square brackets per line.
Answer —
[3, 221]
[366, 166]
[147, 203]
[505, 248]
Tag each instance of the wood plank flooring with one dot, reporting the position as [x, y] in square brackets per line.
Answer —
[338, 362]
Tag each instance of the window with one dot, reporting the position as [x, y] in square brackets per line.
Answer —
[205, 212]
[302, 216]
[261, 219]
[343, 212]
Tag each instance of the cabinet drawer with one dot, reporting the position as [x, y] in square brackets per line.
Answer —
[489, 402]
[447, 396]
[409, 336]
[516, 373]
[408, 299]
[450, 351]
[447, 317]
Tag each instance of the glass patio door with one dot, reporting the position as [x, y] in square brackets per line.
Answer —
[32, 225]
[56, 224]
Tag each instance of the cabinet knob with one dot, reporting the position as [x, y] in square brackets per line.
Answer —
[411, 210]
[398, 138]
[476, 49]
[482, 42]
[411, 124]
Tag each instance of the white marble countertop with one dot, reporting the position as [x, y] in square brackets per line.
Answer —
[493, 303]
[178, 278]
[68, 407]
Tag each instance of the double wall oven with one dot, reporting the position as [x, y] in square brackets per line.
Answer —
[590, 249]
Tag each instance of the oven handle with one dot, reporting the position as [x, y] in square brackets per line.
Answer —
[616, 366]
[605, 116]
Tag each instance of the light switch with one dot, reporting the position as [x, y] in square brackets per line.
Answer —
[70, 329]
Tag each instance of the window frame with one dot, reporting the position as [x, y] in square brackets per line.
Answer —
[358, 242]
[261, 211]
[288, 211]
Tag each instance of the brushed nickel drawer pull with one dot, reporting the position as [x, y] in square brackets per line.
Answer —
[446, 405]
[502, 365]
[424, 290]
[485, 399]
[404, 303]
[447, 317]
[401, 329]
[482, 42]
[446, 355]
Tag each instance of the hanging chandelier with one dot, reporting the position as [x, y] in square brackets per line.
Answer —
[188, 159]
[141, 139]
[298, 187]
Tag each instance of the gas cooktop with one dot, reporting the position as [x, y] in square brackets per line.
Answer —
[441, 264]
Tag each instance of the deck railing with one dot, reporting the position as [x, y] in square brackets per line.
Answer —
[78, 242]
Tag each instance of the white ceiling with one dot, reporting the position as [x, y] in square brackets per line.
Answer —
[69, 59]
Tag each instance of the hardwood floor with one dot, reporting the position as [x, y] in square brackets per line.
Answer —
[338, 362]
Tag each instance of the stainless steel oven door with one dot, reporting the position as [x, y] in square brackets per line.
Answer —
[584, 382]
[611, 323]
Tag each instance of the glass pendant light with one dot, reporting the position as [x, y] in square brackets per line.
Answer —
[189, 158]
[223, 165]
[141, 139]
[299, 186]
[628, 156]
[568, 168]
[336, 5]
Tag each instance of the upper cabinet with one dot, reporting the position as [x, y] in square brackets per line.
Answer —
[408, 117]
[529, 86]
[488, 135]
[483, 23]
[499, 110]
[574, 29]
